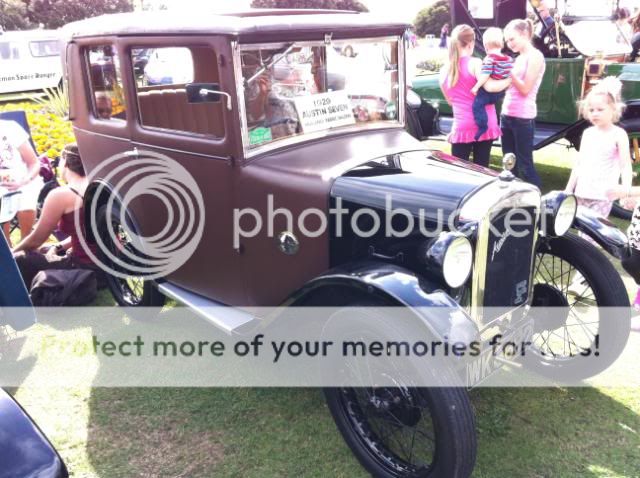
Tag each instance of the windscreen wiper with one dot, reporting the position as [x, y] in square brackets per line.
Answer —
[276, 58]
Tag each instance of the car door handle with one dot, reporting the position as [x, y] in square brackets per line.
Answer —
[131, 154]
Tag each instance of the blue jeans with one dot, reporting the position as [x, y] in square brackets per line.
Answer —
[482, 99]
[517, 138]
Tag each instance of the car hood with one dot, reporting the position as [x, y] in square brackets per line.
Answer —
[423, 182]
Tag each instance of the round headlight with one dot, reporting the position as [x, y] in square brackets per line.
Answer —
[565, 215]
[458, 261]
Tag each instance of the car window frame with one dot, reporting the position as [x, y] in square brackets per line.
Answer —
[249, 153]
[88, 78]
[181, 42]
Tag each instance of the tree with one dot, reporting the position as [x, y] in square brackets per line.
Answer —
[430, 20]
[13, 15]
[55, 13]
[354, 5]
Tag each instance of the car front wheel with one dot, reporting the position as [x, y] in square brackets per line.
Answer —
[580, 308]
[395, 426]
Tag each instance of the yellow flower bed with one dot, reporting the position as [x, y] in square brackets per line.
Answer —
[50, 133]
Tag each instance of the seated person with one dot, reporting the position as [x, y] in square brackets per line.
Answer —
[59, 211]
[547, 19]
[104, 109]
[270, 96]
[495, 68]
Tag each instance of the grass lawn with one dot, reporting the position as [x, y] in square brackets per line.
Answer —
[143, 432]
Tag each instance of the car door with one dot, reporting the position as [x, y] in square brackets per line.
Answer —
[196, 136]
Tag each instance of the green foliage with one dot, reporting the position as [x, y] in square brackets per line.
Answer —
[24, 14]
[354, 5]
[430, 20]
[13, 15]
[56, 101]
[55, 13]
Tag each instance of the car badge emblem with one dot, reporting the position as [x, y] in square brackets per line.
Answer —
[288, 243]
[499, 243]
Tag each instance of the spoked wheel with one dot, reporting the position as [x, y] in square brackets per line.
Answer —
[407, 432]
[132, 290]
[583, 320]
[400, 430]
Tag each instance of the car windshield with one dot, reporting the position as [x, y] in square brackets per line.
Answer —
[581, 19]
[608, 40]
[295, 90]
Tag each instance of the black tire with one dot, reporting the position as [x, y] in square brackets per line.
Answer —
[571, 273]
[435, 424]
[453, 424]
[620, 212]
[133, 291]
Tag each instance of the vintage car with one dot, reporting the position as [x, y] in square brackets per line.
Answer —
[24, 449]
[275, 117]
[583, 46]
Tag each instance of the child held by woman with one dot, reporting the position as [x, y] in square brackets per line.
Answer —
[489, 89]
[604, 150]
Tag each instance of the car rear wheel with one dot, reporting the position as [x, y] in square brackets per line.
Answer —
[131, 290]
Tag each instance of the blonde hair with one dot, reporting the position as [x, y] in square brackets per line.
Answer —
[524, 27]
[610, 88]
[493, 38]
[461, 37]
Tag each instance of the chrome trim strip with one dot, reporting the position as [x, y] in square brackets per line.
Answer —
[228, 319]
[402, 85]
[237, 67]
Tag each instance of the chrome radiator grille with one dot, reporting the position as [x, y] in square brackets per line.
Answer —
[504, 255]
[509, 255]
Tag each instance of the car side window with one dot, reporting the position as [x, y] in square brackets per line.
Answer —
[9, 51]
[161, 77]
[107, 92]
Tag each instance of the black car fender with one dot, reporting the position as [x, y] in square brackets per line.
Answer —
[605, 233]
[24, 449]
[390, 285]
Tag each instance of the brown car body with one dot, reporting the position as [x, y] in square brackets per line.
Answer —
[296, 176]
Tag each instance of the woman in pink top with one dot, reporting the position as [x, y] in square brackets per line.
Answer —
[519, 109]
[456, 81]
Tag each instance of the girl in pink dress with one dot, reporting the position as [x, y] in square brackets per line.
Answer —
[604, 149]
[457, 79]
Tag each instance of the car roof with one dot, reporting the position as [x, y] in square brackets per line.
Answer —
[246, 23]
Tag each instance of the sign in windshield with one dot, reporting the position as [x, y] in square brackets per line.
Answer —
[291, 90]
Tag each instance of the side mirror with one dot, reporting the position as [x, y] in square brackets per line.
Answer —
[206, 93]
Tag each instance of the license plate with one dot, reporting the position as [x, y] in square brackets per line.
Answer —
[507, 347]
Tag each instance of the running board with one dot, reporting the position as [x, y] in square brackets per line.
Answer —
[228, 319]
